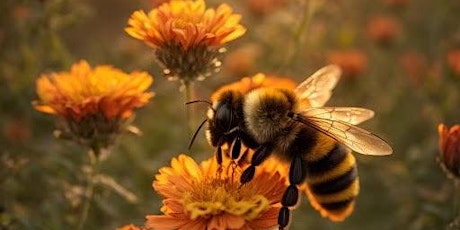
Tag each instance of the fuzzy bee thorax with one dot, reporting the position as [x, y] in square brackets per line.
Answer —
[266, 112]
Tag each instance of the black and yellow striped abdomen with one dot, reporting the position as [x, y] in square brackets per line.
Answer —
[332, 178]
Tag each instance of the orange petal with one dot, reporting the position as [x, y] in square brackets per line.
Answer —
[266, 220]
[161, 222]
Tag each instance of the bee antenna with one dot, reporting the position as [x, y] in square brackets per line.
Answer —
[198, 101]
[196, 133]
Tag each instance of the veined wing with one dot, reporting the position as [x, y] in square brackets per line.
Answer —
[350, 115]
[357, 139]
[317, 88]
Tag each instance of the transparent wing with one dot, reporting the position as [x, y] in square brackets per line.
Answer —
[357, 139]
[351, 115]
[317, 88]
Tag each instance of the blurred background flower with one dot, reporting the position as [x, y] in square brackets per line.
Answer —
[353, 62]
[453, 60]
[449, 144]
[383, 29]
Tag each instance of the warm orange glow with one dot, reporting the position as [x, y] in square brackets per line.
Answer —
[86, 91]
[187, 23]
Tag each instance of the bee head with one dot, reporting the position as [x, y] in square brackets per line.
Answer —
[266, 112]
[224, 117]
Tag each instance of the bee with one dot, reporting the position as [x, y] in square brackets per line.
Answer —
[225, 118]
[315, 141]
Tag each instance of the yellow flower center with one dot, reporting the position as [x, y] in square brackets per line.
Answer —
[214, 196]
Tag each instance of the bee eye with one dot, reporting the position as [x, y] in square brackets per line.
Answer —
[224, 116]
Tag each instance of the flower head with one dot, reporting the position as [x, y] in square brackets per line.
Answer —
[265, 7]
[186, 36]
[449, 144]
[383, 29]
[198, 197]
[352, 62]
[453, 61]
[415, 66]
[93, 102]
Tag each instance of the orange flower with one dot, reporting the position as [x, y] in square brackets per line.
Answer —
[84, 92]
[186, 36]
[240, 62]
[415, 66]
[453, 60]
[449, 144]
[264, 7]
[197, 197]
[352, 62]
[383, 29]
[93, 102]
[187, 23]
[259, 80]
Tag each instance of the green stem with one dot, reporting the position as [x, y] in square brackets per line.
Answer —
[307, 14]
[89, 191]
[456, 221]
[187, 87]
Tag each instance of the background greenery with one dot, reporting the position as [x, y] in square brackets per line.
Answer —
[402, 73]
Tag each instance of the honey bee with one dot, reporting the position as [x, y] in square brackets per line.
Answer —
[316, 142]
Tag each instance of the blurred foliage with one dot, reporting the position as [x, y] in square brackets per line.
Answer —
[394, 53]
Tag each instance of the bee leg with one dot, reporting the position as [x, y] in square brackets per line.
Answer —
[244, 158]
[260, 155]
[297, 174]
[219, 157]
[236, 148]
[219, 161]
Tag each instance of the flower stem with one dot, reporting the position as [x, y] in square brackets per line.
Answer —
[307, 14]
[455, 224]
[187, 88]
[89, 191]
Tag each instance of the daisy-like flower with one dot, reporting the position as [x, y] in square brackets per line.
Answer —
[449, 144]
[353, 62]
[95, 104]
[453, 60]
[259, 80]
[197, 197]
[187, 37]
[383, 29]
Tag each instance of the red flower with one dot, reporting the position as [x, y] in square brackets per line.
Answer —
[449, 143]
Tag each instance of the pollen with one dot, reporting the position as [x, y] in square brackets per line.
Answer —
[217, 196]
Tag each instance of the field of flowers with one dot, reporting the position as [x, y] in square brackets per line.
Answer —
[95, 129]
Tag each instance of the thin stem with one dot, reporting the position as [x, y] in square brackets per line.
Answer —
[187, 88]
[89, 191]
[456, 221]
[307, 14]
